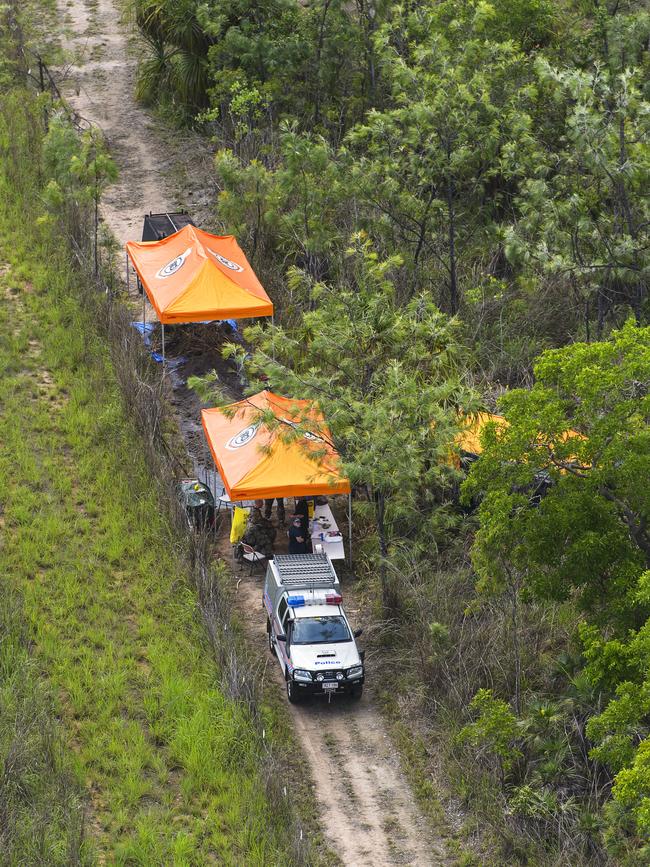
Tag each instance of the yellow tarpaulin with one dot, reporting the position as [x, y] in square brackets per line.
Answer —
[239, 518]
[468, 438]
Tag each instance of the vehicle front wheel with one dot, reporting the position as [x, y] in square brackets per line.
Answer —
[357, 692]
[292, 692]
[270, 637]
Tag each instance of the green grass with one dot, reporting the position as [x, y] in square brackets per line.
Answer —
[41, 817]
[169, 766]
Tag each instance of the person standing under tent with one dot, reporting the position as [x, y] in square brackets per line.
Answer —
[268, 506]
[297, 537]
[260, 532]
[302, 512]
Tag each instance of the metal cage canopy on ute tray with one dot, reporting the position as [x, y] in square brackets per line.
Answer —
[307, 571]
[159, 226]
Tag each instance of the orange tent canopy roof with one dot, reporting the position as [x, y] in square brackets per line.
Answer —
[192, 275]
[256, 461]
[468, 438]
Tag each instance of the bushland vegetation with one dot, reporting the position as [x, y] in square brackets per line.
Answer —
[496, 148]
[449, 200]
[129, 728]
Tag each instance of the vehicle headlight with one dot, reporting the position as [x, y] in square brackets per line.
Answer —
[357, 671]
[301, 674]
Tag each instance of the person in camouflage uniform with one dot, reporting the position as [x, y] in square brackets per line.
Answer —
[259, 532]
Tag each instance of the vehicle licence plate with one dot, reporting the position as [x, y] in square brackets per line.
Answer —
[330, 686]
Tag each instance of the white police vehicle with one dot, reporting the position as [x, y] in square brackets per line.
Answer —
[308, 630]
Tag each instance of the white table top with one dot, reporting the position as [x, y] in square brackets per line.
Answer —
[333, 547]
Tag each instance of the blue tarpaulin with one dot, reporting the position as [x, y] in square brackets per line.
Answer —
[172, 363]
[144, 328]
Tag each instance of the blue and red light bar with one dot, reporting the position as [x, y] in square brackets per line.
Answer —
[295, 601]
[333, 599]
[299, 601]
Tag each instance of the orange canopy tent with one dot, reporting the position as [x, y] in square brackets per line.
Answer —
[193, 276]
[257, 461]
[468, 438]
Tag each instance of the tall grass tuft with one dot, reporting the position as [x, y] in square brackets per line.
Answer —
[41, 800]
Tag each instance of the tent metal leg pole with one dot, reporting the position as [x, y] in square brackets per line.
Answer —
[350, 529]
[144, 318]
[215, 497]
[128, 276]
[163, 345]
[273, 326]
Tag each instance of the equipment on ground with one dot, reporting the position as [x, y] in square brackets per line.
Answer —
[198, 502]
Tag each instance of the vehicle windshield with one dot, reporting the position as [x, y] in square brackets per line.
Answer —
[320, 630]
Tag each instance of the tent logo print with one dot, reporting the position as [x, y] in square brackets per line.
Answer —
[242, 438]
[173, 266]
[308, 435]
[227, 262]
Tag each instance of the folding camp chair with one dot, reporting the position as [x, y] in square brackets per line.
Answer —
[251, 556]
[224, 500]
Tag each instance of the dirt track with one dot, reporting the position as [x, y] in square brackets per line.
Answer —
[160, 169]
[368, 811]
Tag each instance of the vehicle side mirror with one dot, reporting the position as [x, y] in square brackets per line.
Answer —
[357, 633]
[280, 637]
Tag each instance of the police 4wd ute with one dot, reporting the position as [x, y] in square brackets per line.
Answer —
[308, 630]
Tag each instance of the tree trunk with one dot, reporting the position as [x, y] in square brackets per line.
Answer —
[380, 513]
[640, 288]
[453, 279]
[601, 307]
[319, 55]
[516, 651]
[367, 12]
